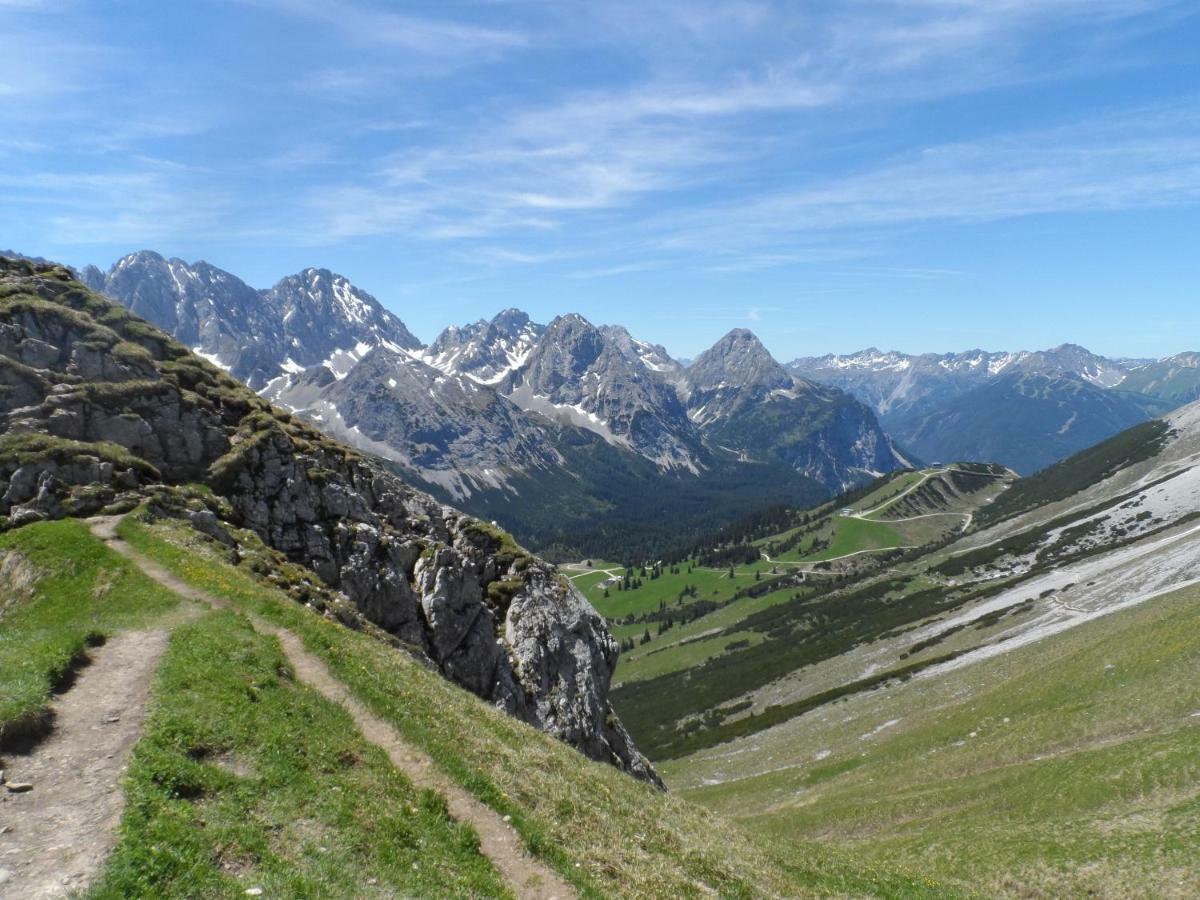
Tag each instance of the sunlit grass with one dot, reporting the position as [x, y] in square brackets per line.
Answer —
[609, 834]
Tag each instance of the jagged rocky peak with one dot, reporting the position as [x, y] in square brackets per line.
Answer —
[653, 356]
[572, 345]
[99, 408]
[486, 351]
[745, 401]
[580, 375]
[1074, 360]
[738, 361]
[323, 312]
[307, 319]
[445, 429]
[215, 313]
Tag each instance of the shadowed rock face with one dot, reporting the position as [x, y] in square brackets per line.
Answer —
[93, 402]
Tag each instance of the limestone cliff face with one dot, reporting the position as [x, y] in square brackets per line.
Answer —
[95, 402]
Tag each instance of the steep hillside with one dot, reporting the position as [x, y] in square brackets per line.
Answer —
[1025, 421]
[749, 608]
[926, 707]
[246, 779]
[99, 407]
[1064, 769]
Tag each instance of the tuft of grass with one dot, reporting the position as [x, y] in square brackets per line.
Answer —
[606, 833]
[23, 449]
[245, 778]
[83, 592]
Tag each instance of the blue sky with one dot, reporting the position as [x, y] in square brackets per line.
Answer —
[911, 174]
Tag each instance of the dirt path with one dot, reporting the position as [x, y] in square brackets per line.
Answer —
[57, 835]
[498, 841]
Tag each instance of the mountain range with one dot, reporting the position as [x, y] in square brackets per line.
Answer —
[1023, 409]
[565, 432]
[893, 674]
[96, 404]
[583, 439]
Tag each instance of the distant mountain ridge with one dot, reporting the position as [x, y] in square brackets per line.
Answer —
[512, 418]
[311, 318]
[535, 425]
[1023, 409]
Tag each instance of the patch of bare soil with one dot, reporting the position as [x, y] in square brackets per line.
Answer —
[62, 800]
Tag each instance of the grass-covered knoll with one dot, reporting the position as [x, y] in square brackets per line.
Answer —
[1068, 768]
[910, 509]
[884, 493]
[1079, 472]
[605, 832]
[60, 591]
[851, 535]
[245, 778]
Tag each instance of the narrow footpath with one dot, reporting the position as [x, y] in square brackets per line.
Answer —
[526, 876]
[62, 800]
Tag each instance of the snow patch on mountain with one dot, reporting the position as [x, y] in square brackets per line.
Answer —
[566, 413]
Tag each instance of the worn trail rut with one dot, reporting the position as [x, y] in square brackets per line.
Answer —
[56, 836]
[526, 876]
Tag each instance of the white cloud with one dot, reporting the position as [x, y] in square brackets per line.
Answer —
[367, 23]
[1141, 159]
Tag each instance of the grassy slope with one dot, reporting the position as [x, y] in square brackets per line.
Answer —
[1069, 766]
[222, 698]
[607, 833]
[245, 778]
[715, 639]
[1078, 472]
[85, 591]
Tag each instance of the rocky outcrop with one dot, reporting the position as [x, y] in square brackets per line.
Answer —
[95, 403]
